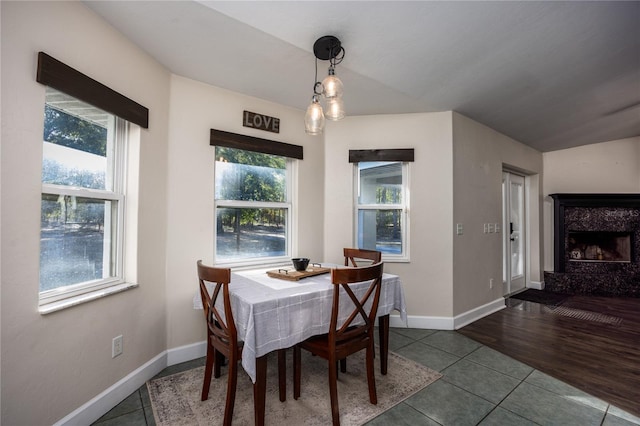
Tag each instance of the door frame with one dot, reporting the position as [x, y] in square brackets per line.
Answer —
[506, 235]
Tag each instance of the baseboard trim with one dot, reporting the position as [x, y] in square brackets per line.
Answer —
[429, 323]
[186, 353]
[479, 312]
[475, 314]
[537, 285]
[112, 396]
[109, 398]
[450, 323]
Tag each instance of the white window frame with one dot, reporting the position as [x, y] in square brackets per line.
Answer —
[402, 207]
[116, 170]
[288, 204]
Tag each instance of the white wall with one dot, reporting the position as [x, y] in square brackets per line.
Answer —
[608, 167]
[480, 155]
[195, 109]
[53, 364]
[427, 278]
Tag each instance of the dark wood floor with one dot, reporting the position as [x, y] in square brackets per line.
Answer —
[599, 358]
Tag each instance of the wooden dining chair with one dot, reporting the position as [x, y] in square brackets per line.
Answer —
[350, 336]
[222, 338]
[353, 255]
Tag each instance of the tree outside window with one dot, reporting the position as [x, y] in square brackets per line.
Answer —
[252, 205]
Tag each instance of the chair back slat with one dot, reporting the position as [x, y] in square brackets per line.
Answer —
[221, 327]
[342, 278]
[354, 255]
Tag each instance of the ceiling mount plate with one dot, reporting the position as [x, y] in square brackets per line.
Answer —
[326, 47]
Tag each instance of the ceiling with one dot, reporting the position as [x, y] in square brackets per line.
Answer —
[552, 75]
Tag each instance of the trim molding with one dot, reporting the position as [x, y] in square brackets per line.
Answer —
[475, 314]
[186, 353]
[112, 396]
[252, 143]
[61, 76]
[536, 285]
[402, 154]
[449, 323]
[429, 323]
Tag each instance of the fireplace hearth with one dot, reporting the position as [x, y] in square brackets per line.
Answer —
[596, 245]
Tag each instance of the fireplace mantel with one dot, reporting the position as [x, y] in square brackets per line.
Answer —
[562, 201]
[597, 200]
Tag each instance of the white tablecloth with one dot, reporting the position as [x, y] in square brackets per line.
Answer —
[272, 313]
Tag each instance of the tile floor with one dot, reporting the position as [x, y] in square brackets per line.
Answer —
[479, 387]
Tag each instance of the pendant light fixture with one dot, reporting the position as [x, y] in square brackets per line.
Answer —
[331, 89]
[314, 118]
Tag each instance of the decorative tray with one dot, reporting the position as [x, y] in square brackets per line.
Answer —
[293, 275]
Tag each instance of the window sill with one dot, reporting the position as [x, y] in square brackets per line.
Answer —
[243, 266]
[396, 260]
[84, 298]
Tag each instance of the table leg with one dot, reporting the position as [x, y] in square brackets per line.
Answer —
[260, 390]
[383, 330]
[282, 374]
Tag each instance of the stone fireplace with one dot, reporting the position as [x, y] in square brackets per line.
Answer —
[596, 245]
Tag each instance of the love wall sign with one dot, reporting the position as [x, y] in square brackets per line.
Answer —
[261, 122]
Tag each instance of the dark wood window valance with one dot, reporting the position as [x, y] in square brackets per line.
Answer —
[360, 155]
[251, 143]
[60, 76]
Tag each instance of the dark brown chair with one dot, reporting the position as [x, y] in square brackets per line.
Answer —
[349, 337]
[351, 258]
[222, 338]
[352, 255]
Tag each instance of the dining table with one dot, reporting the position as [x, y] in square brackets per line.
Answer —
[273, 314]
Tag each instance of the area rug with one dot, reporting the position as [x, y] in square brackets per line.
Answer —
[542, 297]
[176, 401]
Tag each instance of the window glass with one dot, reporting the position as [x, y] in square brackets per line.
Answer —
[380, 183]
[380, 230]
[381, 214]
[244, 233]
[252, 206]
[82, 199]
[73, 247]
[250, 176]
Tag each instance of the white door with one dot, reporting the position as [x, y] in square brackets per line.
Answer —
[514, 237]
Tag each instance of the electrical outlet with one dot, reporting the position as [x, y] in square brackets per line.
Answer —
[486, 228]
[116, 346]
[459, 229]
[496, 226]
[490, 282]
[490, 226]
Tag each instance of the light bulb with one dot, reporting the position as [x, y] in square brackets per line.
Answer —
[314, 118]
[335, 109]
[332, 86]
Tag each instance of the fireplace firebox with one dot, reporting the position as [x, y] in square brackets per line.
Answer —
[596, 244]
[599, 246]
